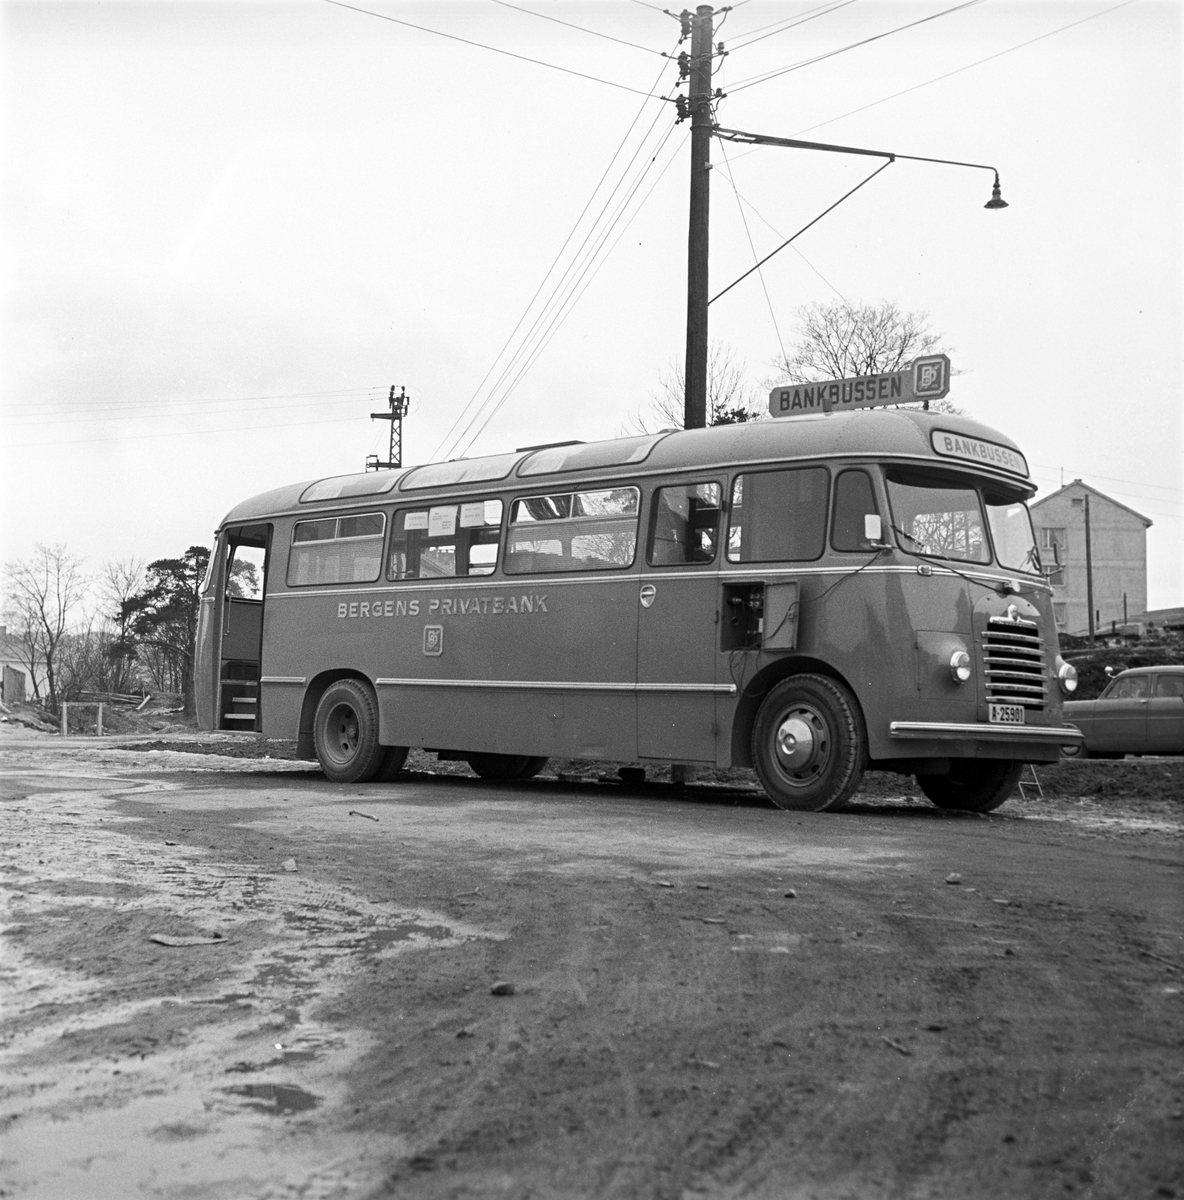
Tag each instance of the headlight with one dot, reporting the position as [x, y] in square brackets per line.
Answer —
[1066, 676]
[960, 666]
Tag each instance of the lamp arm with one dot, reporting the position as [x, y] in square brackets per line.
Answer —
[760, 139]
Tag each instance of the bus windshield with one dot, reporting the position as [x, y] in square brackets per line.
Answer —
[1011, 531]
[937, 516]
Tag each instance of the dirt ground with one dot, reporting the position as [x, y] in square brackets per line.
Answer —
[223, 977]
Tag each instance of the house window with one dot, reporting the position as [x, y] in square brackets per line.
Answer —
[1060, 614]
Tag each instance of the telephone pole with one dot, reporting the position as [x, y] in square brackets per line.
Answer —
[699, 103]
[398, 410]
[1089, 573]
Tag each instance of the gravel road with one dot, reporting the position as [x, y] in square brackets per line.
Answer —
[226, 978]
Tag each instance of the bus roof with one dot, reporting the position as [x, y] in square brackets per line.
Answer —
[958, 443]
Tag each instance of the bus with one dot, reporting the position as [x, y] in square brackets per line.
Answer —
[810, 597]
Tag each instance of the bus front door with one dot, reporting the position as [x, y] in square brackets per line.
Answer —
[676, 657]
[243, 585]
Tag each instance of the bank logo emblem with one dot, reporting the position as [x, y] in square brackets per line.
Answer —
[433, 640]
[931, 377]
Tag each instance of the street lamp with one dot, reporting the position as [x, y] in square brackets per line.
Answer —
[697, 294]
[758, 139]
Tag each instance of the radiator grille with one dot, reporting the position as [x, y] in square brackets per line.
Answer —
[1013, 663]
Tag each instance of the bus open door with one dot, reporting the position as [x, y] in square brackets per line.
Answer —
[234, 658]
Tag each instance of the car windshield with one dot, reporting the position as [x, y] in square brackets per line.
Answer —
[939, 516]
[1011, 531]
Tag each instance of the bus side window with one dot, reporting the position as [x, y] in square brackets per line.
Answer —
[336, 550]
[778, 516]
[684, 526]
[854, 500]
[573, 531]
[446, 540]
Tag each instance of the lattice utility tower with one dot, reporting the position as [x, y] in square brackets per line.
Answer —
[395, 417]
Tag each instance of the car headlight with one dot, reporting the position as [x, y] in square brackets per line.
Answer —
[1066, 676]
[960, 666]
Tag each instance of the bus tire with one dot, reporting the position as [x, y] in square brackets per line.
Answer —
[345, 732]
[393, 761]
[973, 784]
[505, 766]
[809, 745]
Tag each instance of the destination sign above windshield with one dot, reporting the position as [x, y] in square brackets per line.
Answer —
[925, 379]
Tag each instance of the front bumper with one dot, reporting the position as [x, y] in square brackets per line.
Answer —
[949, 731]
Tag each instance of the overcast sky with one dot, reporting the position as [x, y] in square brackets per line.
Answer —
[229, 228]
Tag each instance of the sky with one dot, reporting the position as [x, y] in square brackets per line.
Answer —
[229, 228]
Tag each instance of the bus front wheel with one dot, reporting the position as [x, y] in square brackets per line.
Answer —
[345, 731]
[809, 744]
[973, 784]
[506, 766]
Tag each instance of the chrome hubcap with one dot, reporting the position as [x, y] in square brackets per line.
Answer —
[795, 743]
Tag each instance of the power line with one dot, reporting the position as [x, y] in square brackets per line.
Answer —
[152, 412]
[558, 286]
[1161, 487]
[360, 391]
[553, 313]
[752, 81]
[752, 247]
[1167, 516]
[453, 441]
[88, 441]
[574, 298]
[730, 180]
[861, 183]
[977, 63]
[538, 62]
[811, 14]
[559, 21]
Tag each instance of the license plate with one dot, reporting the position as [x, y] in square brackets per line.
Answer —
[1005, 714]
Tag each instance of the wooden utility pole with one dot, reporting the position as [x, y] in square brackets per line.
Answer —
[1089, 573]
[699, 98]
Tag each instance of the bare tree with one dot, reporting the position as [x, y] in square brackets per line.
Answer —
[120, 581]
[731, 399]
[44, 590]
[841, 340]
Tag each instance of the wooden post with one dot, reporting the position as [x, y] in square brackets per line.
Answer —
[699, 95]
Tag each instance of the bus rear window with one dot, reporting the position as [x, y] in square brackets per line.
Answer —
[446, 540]
[337, 550]
[778, 516]
[937, 516]
[573, 531]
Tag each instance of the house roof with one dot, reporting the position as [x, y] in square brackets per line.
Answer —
[1077, 487]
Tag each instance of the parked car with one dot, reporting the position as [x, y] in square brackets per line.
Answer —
[1140, 712]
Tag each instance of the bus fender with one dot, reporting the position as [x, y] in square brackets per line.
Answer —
[753, 690]
[305, 747]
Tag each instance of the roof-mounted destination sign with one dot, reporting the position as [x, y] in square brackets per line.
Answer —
[925, 379]
[975, 450]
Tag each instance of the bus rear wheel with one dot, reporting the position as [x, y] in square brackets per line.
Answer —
[505, 766]
[809, 744]
[345, 732]
[973, 784]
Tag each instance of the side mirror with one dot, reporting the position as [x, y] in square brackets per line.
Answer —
[873, 527]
